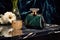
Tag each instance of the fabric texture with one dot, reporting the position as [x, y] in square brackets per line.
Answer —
[47, 8]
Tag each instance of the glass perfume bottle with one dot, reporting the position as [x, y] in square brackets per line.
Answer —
[34, 20]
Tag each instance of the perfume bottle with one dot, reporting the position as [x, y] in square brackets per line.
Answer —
[34, 20]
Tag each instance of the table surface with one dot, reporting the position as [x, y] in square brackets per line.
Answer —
[34, 32]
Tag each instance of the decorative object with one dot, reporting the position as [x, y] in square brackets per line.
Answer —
[17, 26]
[34, 20]
[8, 17]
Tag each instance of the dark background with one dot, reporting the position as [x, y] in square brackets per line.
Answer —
[6, 5]
[57, 15]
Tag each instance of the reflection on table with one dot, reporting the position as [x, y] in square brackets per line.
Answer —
[28, 33]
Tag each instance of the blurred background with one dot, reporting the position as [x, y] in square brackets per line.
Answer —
[50, 9]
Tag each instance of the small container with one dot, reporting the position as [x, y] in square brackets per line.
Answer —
[17, 25]
[34, 20]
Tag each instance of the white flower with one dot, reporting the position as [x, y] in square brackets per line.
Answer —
[4, 20]
[8, 17]
[1, 21]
